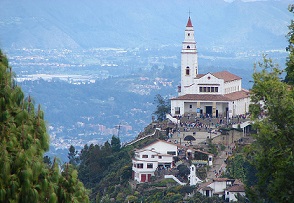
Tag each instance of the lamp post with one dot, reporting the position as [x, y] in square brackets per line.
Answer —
[209, 131]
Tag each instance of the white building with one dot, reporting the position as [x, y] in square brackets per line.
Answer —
[223, 187]
[215, 94]
[156, 155]
[232, 192]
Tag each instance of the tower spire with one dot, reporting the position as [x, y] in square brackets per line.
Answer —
[189, 23]
[189, 59]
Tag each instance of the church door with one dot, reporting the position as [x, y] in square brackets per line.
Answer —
[209, 110]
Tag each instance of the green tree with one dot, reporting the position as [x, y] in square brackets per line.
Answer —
[162, 107]
[72, 156]
[235, 167]
[115, 143]
[273, 101]
[24, 177]
[290, 60]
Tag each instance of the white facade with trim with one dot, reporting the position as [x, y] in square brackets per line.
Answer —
[158, 155]
[218, 94]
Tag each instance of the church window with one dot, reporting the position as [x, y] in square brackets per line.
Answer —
[208, 89]
[188, 34]
[188, 47]
[187, 70]
[190, 106]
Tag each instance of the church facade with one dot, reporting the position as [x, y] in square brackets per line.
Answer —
[218, 94]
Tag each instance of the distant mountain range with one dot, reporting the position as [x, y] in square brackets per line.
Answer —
[238, 25]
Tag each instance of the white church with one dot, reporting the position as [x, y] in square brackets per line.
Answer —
[218, 94]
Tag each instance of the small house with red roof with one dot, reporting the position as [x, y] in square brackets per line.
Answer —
[222, 187]
[155, 156]
[214, 93]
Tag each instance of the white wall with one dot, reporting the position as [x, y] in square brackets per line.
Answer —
[185, 106]
[232, 195]
[204, 82]
[163, 147]
[232, 86]
[218, 186]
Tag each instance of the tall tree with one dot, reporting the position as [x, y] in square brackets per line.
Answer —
[162, 107]
[115, 143]
[24, 177]
[72, 156]
[290, 60]
[273, 101]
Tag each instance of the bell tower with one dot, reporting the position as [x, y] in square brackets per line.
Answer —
[189, 59]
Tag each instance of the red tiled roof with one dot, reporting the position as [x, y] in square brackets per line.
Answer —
[157, 140]
[238, 95]
[202, 97]
[204, 185]
[237, 188]
[207, 188]
[215, 97]
[220, 179]
[226, 76]
[189, 24]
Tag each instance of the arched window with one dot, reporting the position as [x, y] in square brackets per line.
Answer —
[187, 70]
[188, 47]
[188, 34]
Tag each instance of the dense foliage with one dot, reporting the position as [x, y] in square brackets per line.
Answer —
[105, 169]
[290, 60]
[24, 176]
[273, 113]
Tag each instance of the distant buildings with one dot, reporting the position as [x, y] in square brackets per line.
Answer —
[218, 94]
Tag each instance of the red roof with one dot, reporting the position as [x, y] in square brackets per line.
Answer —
[215, 97]
[157, 140]
[202, 97]
[221, 179]
[238, 95]
[226, 76]
[189, 24]
[237, 188]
